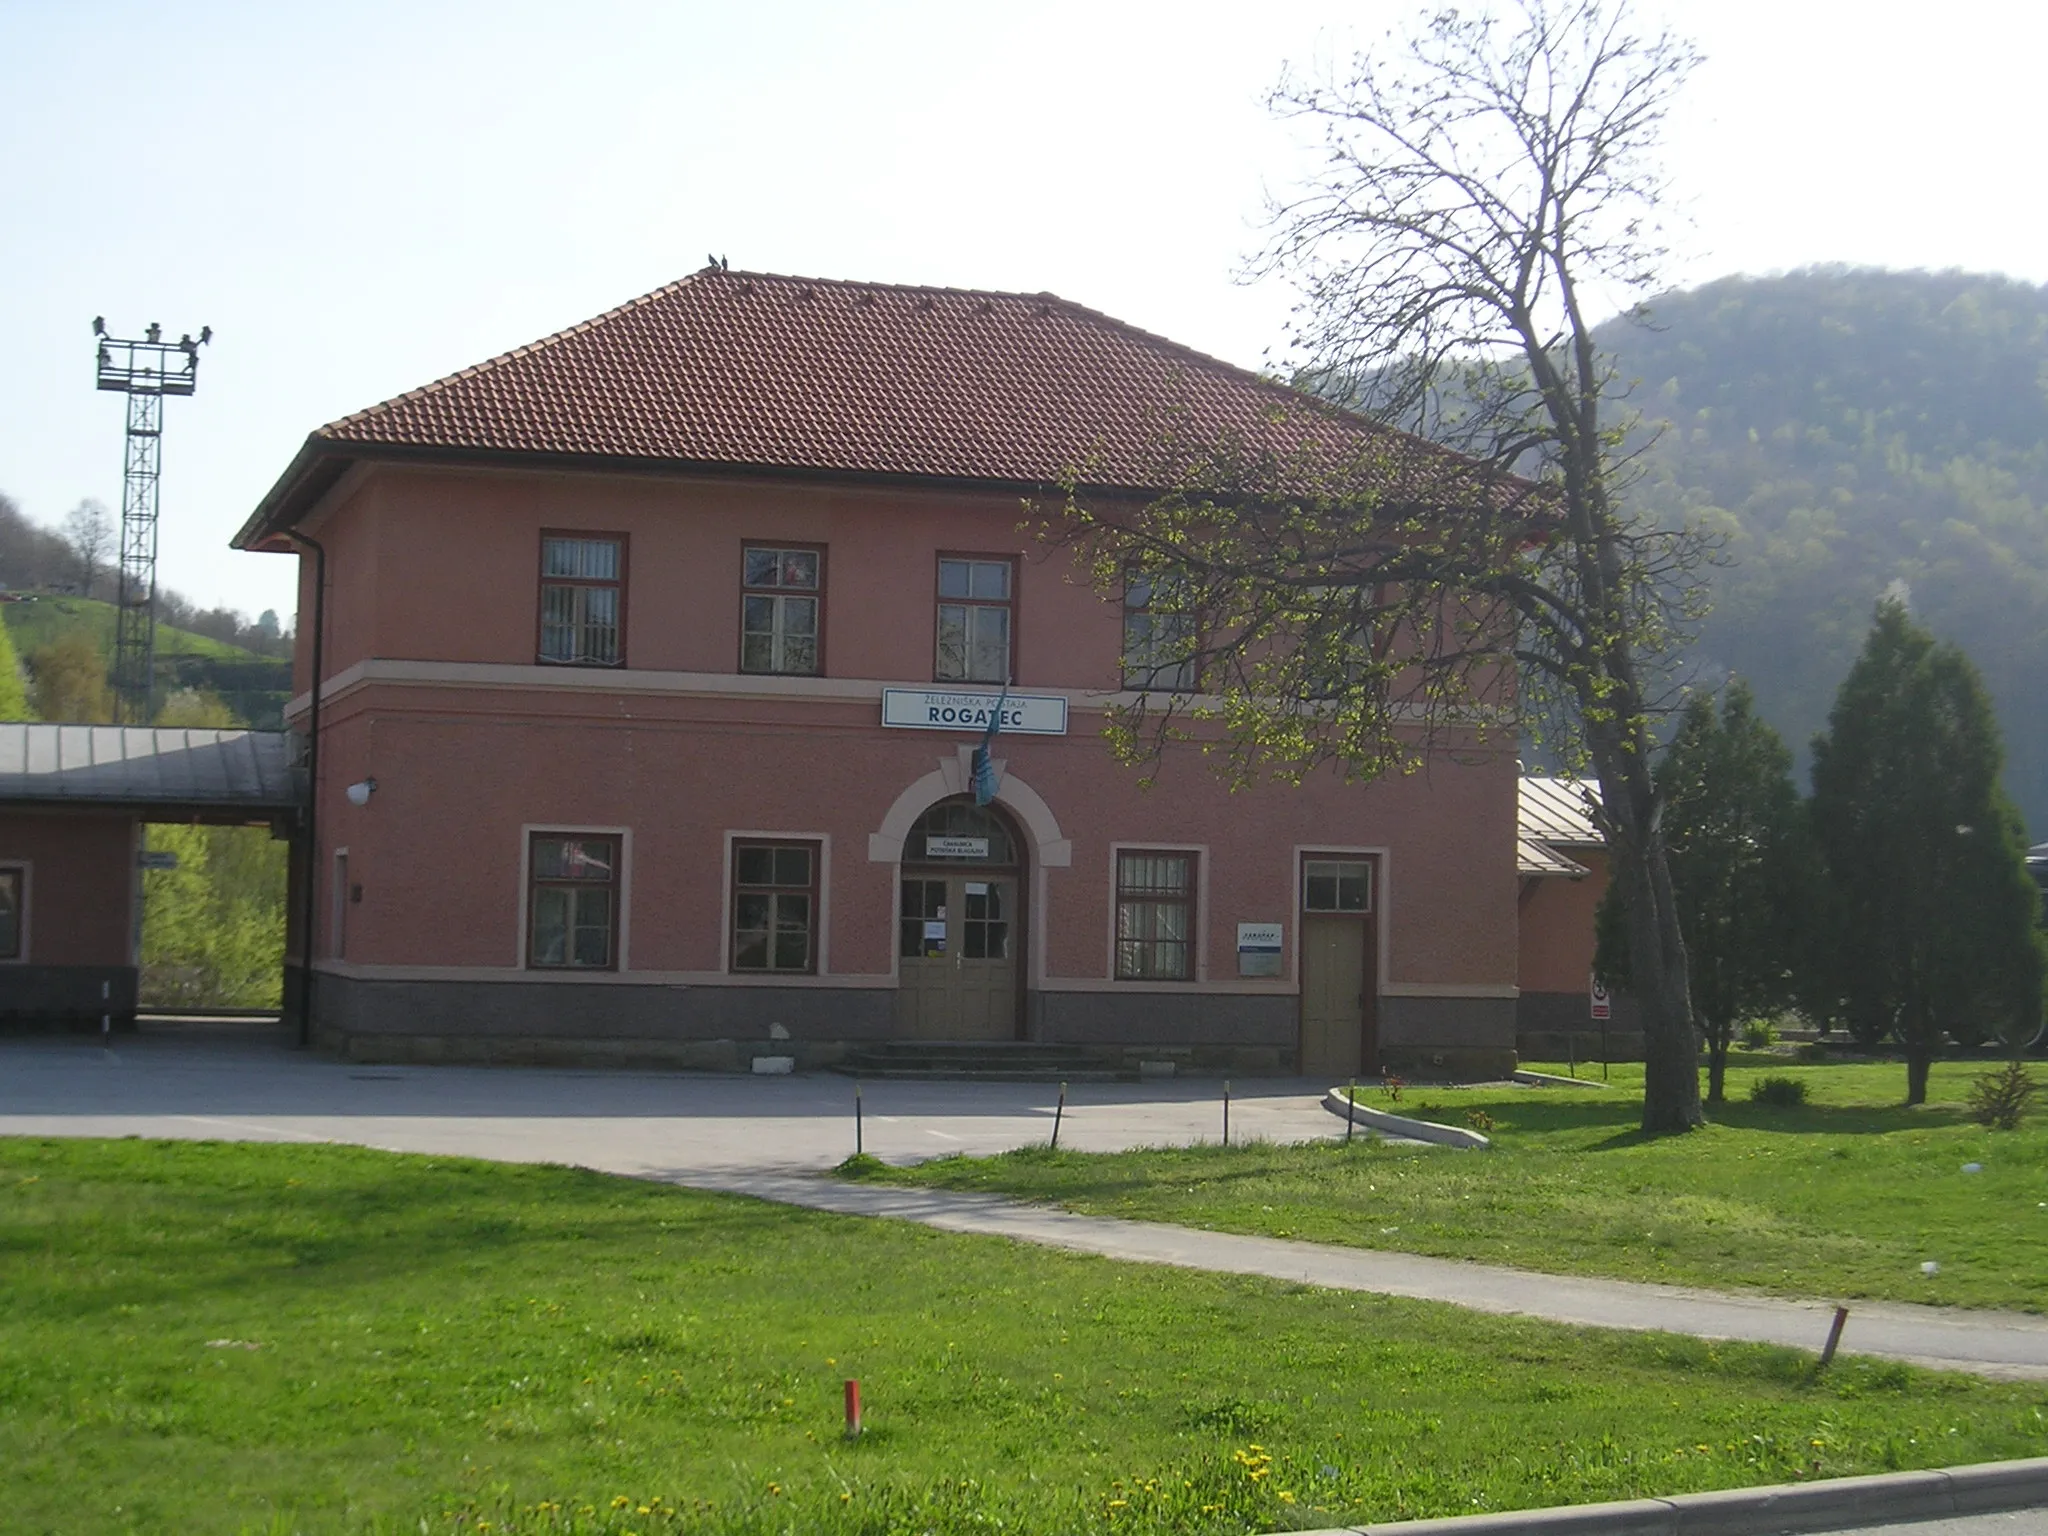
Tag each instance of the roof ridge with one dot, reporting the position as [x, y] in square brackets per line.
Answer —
[525, 349]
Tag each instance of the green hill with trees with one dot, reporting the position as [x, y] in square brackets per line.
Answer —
[1855, 433]
[254, 687]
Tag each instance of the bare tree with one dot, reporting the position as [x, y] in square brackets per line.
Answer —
[1363, 599]
[90, 533]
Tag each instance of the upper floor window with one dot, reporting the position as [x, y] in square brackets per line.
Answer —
[779, 602]
[583, 599]
[976, 604]
[1159, 637]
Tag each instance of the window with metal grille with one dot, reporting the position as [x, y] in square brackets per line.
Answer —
[582, 599]
[573, 902]
[1155, 916]
[976, 608]
[774, 907]
[780, 609]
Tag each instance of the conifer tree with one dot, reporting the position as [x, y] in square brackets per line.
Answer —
[1931, 929]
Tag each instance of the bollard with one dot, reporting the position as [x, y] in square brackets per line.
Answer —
[852, 1409]
[1827, 1353]
[1226, 1111]
[1059, 1110]
[857, 1147]
[1350, 1111]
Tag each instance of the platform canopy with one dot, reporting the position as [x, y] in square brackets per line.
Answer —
[161, 772]
[1551, 816]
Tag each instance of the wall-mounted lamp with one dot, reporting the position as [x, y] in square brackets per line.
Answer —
[359, 793]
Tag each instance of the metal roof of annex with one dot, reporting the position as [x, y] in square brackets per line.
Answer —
[153, 770]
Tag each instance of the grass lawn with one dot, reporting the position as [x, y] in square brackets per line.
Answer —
[1844, 1197]
[203, 1337]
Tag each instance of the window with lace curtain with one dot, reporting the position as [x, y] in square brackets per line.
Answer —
[1155, 915]
[583, 599]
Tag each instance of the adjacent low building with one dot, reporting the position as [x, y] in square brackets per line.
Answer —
[74, 800]
[1561, 859]
[651, 659]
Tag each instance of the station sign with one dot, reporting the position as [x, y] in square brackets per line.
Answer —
[932, 709]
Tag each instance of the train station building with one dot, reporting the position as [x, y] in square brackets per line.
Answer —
[651, 659]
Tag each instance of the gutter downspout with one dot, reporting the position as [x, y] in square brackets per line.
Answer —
[310, 896]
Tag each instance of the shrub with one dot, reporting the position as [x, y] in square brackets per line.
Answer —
[1479, 1120]
[1759, 1034]
[2000, 1099]
[1780, 1092]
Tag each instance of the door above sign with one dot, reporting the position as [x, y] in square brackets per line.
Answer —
[932, 709]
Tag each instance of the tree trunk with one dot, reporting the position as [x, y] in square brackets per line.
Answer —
[1717, 1066]
[1671, 1071]
[1918, 1060]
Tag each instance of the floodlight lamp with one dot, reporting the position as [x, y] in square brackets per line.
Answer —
[359, 793]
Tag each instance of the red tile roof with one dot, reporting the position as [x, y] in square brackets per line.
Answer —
[749, 370]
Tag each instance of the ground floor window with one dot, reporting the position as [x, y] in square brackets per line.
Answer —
[1155, 915]
[775, 907]
[11, 913]
[573, 902]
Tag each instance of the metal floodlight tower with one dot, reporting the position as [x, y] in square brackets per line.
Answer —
[145, 371]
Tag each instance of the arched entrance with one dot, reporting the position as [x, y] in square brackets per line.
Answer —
[960, 924]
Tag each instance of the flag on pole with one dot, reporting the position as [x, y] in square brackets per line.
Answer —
[983, 775]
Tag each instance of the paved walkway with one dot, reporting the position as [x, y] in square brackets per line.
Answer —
[1986, 1343]
[770, 1137]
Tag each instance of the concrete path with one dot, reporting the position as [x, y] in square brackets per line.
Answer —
[770, 1137]
[1985, 1343]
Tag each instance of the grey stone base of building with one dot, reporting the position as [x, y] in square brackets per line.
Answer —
[67, 996]
[1554, 1026]
[1196, 1031]
[1450, 1038]
[723, 1029]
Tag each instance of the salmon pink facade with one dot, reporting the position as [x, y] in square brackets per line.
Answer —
[664, 750]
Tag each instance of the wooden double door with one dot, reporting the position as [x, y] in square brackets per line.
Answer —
[958, 940]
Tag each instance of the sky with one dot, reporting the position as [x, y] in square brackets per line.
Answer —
[359, 199]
